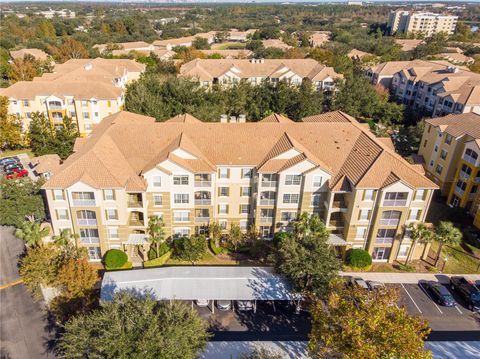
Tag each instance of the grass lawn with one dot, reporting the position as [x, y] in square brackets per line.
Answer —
[17, 152]
[207, 259]
[459, 262]
[228, 46]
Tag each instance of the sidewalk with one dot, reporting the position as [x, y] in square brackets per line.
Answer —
[409, 278]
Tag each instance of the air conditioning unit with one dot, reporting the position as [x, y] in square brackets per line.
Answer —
[223, 118]
[242, 118]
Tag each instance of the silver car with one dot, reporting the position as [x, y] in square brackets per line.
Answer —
[202, 302]
[224, 305]
[374, 285]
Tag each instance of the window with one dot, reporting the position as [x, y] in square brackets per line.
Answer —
[223, 208]
[224, 173]
[181, 198]
[395, 199]
[247, 172]
[181, 232]
[315, 200]
[223, 191]
[58, 195]
[425, 143]
[111, 214]
[72, 114]
[84, 103]
[223, 224]
[180, 216]
[94, 102]
[109, 194]
[390, 218]
[466, 171]
[95, 114]
[443, 154]
[109, 103]
[26, 103]
[291, 198]
[62, 214]
[112, 233]
[470, 156]
[28, 114]
[385, 236]
[368, 195]
[448, 139]
[439, 169]
[364, 215]
[245, 191]
[435, 148]
[243, 224]
[317, 181]
[420, 195]
[94, 253]
[157, 181]
[381, 253]
[403, 251]
[89, 236]
[157, 200]
[244, 209]
[415, 214]
[180, 180]
[293, 180]
[361, 233]
[288, 216]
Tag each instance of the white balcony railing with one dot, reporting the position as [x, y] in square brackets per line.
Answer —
[469, 159]
[202, 219]
[389, 221]
[203, 183]
[205, 201]
[87, 222]
[268, 183]
[266, 219]
[84, 202]
[89, 240]
[395, 202]
[267, 202]
[384, 240]
[459, 190]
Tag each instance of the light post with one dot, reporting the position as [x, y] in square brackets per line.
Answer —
[445, 262]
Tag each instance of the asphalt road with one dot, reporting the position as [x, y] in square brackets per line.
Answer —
[23, 325]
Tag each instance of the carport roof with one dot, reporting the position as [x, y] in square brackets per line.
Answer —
[190, 283]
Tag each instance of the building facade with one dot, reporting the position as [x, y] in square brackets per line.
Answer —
[430, 87]
[421, 22]
[262, 174]
[451, 150]
[229, 71]
[87, 90]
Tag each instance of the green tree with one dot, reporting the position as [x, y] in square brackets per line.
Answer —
[215, 232]
[156, 232]
[10, 127]
[354, 323]
[222, 36]
[419, 233]
[20, 200]
[31, 233]
[200, 43]
[41, 134]
[65, 239]
[190, 248]
[70, 49]
[65, 137]
[446, 233]
[308, 261]
[235, 236]
[77, 277]
[130, 327]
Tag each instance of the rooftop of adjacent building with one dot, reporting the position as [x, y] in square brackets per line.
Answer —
[458, 125]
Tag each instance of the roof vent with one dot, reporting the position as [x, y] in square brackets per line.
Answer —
[233, 119]
[452, 69]
[242, 118]
[88, 66]
[223, 118]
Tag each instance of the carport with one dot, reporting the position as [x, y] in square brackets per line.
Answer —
[210, 283]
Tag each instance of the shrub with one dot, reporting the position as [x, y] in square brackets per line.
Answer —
[158, 262]
[216, 250]
[358, 258]
[152, 254]
[115, 258]
[279, 237]
[406, 268]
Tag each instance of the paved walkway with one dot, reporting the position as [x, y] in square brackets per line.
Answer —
[409, 278]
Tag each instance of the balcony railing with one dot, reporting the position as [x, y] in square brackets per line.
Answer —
[202, 219]
[135, 223]
[339, 204]
[390, 221]
[87, 222]
[338, 223]
[268, 183]
[84, 202]
[464, 174]
[55, 107]
[395, 202]
[266, 219]
[386, 240]
[469, 159]
[459, 190]
[181, 219]
[89, 240]
[203, 183]
[267, 202]
[135, 204]
[204, 201]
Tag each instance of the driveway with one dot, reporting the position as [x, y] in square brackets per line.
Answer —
[23, 326]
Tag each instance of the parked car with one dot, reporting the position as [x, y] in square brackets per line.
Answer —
[356, 282]
[374, 285]
[224, 305]
[440, 294]
[9, 160]
[244, 305]
[468, 291]
[15, 173]
[12, 166]
[202, 302]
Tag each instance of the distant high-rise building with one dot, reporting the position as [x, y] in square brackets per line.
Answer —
[424, 22]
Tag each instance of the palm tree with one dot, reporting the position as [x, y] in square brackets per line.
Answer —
[31, 233]
[419, 233]
[65, 239]
[156, 231]
[447, 233]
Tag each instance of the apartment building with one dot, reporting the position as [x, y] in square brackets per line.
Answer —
[434, 88]
[87, 90]
[193, 173]
[421, 22]
[451, 147]
[226, 71]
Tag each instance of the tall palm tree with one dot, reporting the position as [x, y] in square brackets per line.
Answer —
[156, 231]
[31, 233]
[419, 233]
[447, 233]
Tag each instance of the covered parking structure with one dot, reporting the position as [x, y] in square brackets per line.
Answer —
[191, 283]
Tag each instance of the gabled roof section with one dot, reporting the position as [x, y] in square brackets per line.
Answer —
[342, 185]
[391, 179]
[330, 117]
[184, 118]
[276, 118]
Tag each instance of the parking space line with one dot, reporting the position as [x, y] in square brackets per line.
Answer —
[457, 308]
[406, 291]
[428, 295]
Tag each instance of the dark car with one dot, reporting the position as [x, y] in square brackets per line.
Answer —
[9, 160]
[467, 291]
[13, 166]
[440, 294]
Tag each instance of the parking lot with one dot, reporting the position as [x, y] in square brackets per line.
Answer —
[273, 320]
[450, 321]
[25, 161]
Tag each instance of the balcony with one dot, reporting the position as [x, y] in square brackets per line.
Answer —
[476, 180]
[84, 202]
[87, 221]
[135, 204]
[470, 159]
[55, 107]
[89, 240]
[336, 220]
[203, 202]
[459, 190]
[203, 183]
[464, 174]
[136, 219]
[202, 219]
[268, 184]
[135, 223]
[268, 220]
[384, 240]
[389, 221]
[339, 201]
[267, 202]
[395, 202]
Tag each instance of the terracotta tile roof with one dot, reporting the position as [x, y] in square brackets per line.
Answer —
[358, 54]
[276, 43]
[46, 163]
[229, 54]
[276, 118]
[458, 125]
[124, 145]
[183, 40]
[124, 45]
[408, 44]
[36, 53]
